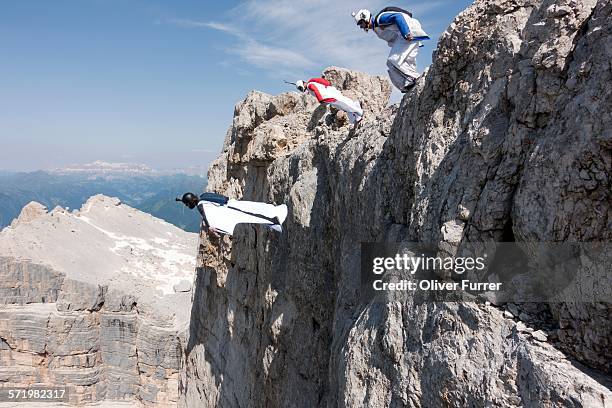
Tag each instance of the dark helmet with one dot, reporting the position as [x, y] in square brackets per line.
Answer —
[189, 199]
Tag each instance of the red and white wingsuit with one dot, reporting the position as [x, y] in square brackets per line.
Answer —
[323, 90]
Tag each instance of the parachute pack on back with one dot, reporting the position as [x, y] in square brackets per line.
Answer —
[393, 9]
[214, 198]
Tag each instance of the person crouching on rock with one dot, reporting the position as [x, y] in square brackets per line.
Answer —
[326, 94]
[221, 214]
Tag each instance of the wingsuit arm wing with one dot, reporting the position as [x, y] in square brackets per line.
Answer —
[321, 81]
[203, 213]
[397, 19]
[316, 92]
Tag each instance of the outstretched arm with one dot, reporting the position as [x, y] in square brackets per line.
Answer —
[321, 81]
[316, 92]
[210, 230]
[203, 213]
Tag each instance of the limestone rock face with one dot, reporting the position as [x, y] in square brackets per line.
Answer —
[87, 300]
[505, 137]
[30, 212]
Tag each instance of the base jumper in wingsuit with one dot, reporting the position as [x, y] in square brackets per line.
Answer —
[221, 214]
[403, 34]
[326, 94]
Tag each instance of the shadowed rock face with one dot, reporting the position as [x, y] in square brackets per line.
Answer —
[506, 137]
[87, 300]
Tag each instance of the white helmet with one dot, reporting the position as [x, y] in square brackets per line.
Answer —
[300, 85]
[362, 18]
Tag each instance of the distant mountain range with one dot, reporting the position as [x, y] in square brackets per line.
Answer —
[104, 169]
[137, 186]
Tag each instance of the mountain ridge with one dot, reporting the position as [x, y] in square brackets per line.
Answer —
[152, 193]
[96, 300]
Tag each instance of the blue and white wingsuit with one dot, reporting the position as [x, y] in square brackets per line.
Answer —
[396, 28]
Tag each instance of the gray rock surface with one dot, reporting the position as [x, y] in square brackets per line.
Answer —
[506, 137]
[539, 335]
[30, 212]
[87, 300]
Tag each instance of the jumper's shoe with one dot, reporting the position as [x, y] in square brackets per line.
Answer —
[407, 88]
[358, 123]
[409, 84]
[276, 228]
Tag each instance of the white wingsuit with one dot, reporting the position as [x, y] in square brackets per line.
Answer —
[325, 93]
[401, 63]
[225, 217]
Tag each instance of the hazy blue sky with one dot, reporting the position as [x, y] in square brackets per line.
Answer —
[155, 82]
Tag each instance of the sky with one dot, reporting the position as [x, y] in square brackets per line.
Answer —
[156, 82]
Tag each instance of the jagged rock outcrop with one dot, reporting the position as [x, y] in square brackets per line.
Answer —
[30, 212]
[506, 137]
[89, 299]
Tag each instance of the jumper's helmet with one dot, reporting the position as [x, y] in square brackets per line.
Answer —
[189, 199]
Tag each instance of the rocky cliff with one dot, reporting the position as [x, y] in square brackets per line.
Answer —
[505, 138]
[97, 300]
